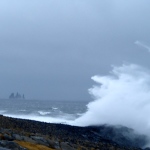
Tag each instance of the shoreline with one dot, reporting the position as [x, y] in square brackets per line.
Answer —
[63, 137]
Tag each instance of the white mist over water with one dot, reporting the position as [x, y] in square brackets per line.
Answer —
[122, 98]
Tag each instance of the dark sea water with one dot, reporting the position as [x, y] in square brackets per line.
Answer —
[43, 110]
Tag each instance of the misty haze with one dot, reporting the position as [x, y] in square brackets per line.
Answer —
[75, 71]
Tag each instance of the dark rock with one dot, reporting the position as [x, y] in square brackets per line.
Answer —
[66, 146]
[59, 136]
[17, 137]
[1, 148]
[40, 140]
[11, 145]
[120, 135]
[12, 95]
[8, 131]
[17, 96]
[28, 139]
[7, 137]
[53, 144]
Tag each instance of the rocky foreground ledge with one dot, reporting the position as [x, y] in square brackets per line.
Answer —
[20, 134]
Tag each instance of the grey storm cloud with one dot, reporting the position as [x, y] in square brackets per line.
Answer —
[50, 49]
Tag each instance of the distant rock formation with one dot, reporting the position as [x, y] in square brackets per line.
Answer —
[17, 96]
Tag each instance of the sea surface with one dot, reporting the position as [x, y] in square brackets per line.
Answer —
[43, 110]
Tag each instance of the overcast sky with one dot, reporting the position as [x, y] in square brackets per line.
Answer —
[49, 49]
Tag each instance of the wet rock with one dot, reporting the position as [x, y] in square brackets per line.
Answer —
[123, 136]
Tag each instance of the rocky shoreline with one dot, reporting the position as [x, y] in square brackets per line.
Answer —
[20, 134]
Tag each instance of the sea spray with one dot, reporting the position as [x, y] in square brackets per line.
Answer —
[121, 98]
[141, 44]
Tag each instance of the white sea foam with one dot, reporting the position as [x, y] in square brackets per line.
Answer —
[47, 119]
[121, 98]
[44, 113]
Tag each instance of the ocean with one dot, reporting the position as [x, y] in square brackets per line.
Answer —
[43, 110]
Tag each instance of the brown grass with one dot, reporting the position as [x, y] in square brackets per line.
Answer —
[31, 146]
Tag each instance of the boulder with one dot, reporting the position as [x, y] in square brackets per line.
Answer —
[28, 139]
[17, 137]
[53, 144]
[40, 140]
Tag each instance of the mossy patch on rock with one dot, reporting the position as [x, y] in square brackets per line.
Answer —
[32, 146]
